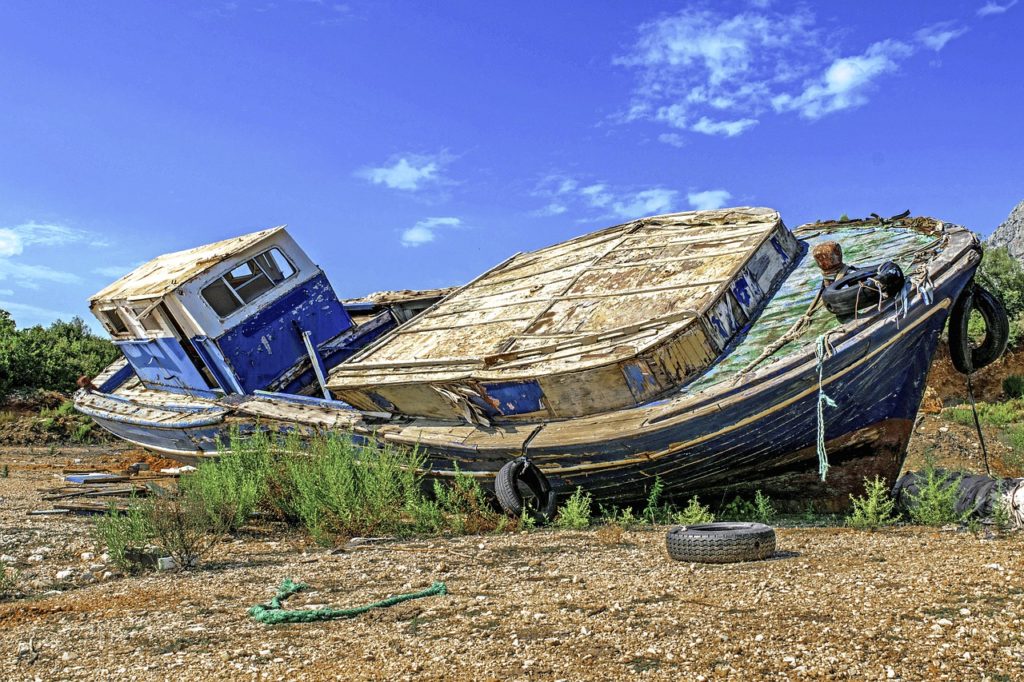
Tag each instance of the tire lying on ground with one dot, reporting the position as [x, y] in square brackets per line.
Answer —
[521, 487]
[721, 543]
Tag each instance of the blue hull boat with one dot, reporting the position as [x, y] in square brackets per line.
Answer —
[799, 403]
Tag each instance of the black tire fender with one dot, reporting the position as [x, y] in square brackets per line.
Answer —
[967, 358]
[858, 288]
[510, 482]
[721, 542]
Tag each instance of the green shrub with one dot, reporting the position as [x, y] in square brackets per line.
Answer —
[230, 488]
[1013, 386]
[4, 471]
[737, 510]
[655, 511]
[990, 414]
[575, 513]
[875, 509]
[1001, 511]
[183, 528]
[622, 516]
[693, 513]
[458, 507]
[124, 533]
[1003, 275]
[760, 509]
[764, 511]
[935, 501]
[341, 489]
[50, 358]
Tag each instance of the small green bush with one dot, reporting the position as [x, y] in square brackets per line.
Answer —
[342, 489]
[764, 511]
[693, 513]
[875, 509]
[656, 511]
[1013, 386]
[575, 513]
[124, 533]
[935, 501]
[1001, 511]
[621, 516]
[760, 509]
[459, 507]
[990, 414]
[233, 486]
[4, 471]
[737, 510]
[183, 528]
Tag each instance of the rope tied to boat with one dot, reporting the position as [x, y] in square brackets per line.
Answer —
[822, 350]
[792, 334]
[273, 612]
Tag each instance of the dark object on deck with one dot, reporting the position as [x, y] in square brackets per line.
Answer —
[85, 383]
[829, 257]
[721, 543]
[522, 476]
[966, 358]
[861, 288]
[977, 494]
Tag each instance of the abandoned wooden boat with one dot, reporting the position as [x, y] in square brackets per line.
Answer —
[690, 347]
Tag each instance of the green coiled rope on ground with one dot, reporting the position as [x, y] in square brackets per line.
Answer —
[273, 612]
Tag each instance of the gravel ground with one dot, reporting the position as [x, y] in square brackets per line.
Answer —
[910, 603]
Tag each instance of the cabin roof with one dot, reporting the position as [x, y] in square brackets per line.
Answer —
[589, 301]
[165, 273]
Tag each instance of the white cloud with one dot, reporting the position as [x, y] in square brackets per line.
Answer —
[410, 172]
[425, 231]
[553, 208]
[845, 82]
[565, 194]
[597, 195]
[10, 243]
[936, 36]
[728, 128]
[6, 292]
[696, 64]
[647, 202]
[708, 199]
[673, 139]
[14, 241]
[716, 73]
[29, 276]
[990, 8]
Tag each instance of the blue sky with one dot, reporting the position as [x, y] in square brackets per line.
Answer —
[414, 145]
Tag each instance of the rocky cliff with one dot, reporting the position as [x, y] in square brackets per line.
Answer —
[1011, 233]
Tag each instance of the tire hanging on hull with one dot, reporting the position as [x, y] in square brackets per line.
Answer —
[966, 357]
[522, 488]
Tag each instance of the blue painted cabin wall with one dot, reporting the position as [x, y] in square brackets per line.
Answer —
[162, 364]
[266, 345]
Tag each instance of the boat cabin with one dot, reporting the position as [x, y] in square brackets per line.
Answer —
[241, 315]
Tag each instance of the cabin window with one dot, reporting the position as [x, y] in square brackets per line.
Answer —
[248, 281]
[150, 321]
[114, 322]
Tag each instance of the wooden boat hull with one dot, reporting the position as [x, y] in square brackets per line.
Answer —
[758, 433]
[765, 439]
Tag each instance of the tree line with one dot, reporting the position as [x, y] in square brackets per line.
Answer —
[50, 358]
